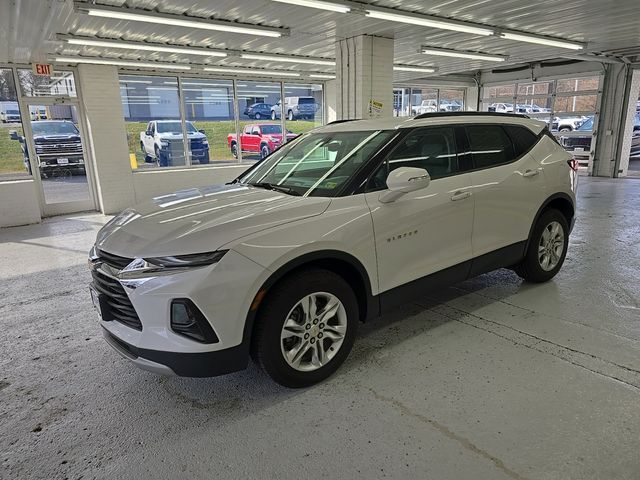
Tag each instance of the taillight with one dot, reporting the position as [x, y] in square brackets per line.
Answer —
[573, 164]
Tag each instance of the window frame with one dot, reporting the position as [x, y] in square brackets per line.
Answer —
[408, 131]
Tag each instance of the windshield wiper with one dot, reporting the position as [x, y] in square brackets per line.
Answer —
[278, 188]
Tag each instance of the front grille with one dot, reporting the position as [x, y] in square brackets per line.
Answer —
[59, 148]
[112, 260]
[117, 303]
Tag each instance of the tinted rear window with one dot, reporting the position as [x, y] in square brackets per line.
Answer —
[523, 139]
[490, 145]
[303, 100]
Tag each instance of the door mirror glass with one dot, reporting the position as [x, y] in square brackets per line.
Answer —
[404, 180]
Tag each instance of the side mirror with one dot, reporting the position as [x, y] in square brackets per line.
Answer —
[201, 131]
[13, 135]
[404, 180]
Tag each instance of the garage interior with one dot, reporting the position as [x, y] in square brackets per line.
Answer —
[493, 378]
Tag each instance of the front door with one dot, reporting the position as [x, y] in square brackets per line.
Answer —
[57, 156]
[428, 230]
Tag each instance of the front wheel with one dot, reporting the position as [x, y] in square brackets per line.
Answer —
[257, 116]
[306, 328]
[290, 116]
[547, 248]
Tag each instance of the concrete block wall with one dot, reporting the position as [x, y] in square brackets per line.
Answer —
[364, 72]
[19, 203]
[107, 142]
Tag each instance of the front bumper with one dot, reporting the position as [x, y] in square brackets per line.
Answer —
[222, 292]
[202, 364]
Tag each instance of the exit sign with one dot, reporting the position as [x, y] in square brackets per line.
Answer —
[42, 69]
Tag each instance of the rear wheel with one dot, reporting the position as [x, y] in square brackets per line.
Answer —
[264, 151]
[234, 149]
[290, 116]
[547, 248]
[273, 115]
[306, 328]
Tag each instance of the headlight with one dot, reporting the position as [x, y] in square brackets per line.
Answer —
[205, 142]
[147, 267]
[164, 143]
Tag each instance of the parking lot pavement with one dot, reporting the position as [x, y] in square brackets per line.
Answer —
[65, 189]
[490, 379]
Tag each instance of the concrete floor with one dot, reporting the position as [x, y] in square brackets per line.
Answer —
[492, 379]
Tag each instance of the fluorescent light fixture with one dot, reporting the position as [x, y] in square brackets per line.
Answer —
[521, 37]
[282, 58]
[135, 81]
[443, 52]
[427, 21]
[332, 7]
[318, 75]
[121, 63]
[409, 68]
[136, 15]
[143, 46]
[275, 73]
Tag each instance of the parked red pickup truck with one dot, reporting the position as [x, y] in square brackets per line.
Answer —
[262, 138]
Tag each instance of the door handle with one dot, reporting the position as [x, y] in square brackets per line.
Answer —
[531, 173]
[460, 196]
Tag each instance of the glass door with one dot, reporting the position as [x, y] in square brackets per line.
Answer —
[59, 163]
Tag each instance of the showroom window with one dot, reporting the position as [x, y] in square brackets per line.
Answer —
[58, 84]
[411, 101]
[181, 121]
[13, 157]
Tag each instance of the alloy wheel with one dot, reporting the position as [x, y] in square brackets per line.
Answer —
[313, 331]
[551, 246]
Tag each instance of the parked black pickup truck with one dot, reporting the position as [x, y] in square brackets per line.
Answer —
[58, 148]
[579, 143]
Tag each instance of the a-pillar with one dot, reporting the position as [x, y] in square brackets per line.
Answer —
[364, 77]
[615, 121]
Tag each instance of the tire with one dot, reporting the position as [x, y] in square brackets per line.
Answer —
[257, 116]
[290, 116]
[336, 333]
[264, 151]
[273, 115]
[234, 149]
[543, 259]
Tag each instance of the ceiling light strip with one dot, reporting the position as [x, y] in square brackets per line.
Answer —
[427, 21]
[138, 15]
[551, 42]
[243, 71]
[142, 46]
[414, 68]
[332, 7]
[322, 76]
[121, 63]
[443, 52]
[282, 58]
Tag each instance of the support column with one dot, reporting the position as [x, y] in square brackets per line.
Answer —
[107, 134]
[364, 77]
[615, 121]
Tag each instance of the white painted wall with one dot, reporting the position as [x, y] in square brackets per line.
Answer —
[19, 204]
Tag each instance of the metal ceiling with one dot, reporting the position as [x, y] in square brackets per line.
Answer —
[28, 30]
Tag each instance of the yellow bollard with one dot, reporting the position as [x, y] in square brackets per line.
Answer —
[133, 161]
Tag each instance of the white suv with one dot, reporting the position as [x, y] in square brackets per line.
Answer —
[337, 226]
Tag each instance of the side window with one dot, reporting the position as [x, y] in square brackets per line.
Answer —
[152, 128]
[247, 130]
[490, 145]
[523, 139]
[431, 148]
[256, 131]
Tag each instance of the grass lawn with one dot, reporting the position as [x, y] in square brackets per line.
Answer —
[10, 151]
[216, 131]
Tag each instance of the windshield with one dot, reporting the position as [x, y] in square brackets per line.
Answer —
[174, 127]
[587, 125]
[271, 129]
[53, 128]
[13, 112]
[318, 164]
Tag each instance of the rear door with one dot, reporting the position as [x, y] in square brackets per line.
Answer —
[427, 230]
[508, 184]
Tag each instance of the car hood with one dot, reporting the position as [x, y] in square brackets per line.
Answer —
[178, 136]
[202, 220]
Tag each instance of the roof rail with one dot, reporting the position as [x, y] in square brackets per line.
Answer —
[335, 122]
[468, 114]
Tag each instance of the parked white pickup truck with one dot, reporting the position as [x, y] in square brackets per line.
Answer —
[162, 143]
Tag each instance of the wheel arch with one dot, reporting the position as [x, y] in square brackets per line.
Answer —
[559, 201]
[341, 263]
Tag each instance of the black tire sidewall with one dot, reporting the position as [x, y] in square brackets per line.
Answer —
[276, 307]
